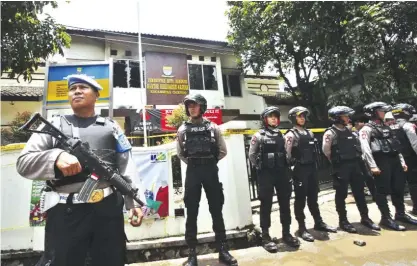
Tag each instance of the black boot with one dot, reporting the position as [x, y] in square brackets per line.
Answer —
[402, 217]
[224, 255]
[192, 258]
[303, 233]
[413, 193]
[322, 226]
[289, 239]
[346, 226]
[414, 210]
[267, 242]
[387, 221]
[366, 221]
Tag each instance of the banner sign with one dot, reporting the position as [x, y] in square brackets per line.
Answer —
[152, 175]
[57, 87]
[166, 78]
[156, 120]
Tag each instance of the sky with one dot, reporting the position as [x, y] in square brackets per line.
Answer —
[203, 19]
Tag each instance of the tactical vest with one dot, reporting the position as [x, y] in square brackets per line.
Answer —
[100, 137]
[199, 140]
[305, 152]
[345, 146]
[405, 146]
[383, 140]
[272, 149]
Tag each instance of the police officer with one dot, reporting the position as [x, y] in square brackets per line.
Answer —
[406, 133]
[342, 149]
[381, 152]
[200, 145]
[359, 122]
[267, 152]
[301, 148]
[74, 228]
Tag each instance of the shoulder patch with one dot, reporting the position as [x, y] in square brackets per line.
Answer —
[122, 143]
[253, 141]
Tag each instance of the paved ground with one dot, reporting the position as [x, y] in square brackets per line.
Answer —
[384, 248]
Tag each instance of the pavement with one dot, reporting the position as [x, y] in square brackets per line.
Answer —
[382, 248]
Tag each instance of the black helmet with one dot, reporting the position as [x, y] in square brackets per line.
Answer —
[337, 111]
[370, 109]
[403, 110]
[269, 110]
[196, 98]
[292, 114]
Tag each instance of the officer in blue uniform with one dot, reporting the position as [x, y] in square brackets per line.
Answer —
[201, 146]
[74, 228]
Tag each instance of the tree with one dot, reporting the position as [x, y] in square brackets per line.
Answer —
[175, 119]
[26, 40]
[329, 47]
[12, 134]
[293, 36]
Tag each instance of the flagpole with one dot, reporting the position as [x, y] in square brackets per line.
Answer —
[142, 88]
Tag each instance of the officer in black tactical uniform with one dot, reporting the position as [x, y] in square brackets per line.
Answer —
[343, 150]
[406, 134]
[301, 148]
[200, 145]
[73, 227]
[267, 152]
[381, 152]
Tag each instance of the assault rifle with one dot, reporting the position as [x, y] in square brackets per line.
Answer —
[97, 169]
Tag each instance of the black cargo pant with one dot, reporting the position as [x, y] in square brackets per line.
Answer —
[345, 174]
[391, 180]
[411, 175]
[203, 174]
[268, 180]
[306, 187]
[369, 179]
[72, 230]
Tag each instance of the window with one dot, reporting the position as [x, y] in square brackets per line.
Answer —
[128, 53]
[202, 77]
[231, 85]
[126, 74]
[113, 52]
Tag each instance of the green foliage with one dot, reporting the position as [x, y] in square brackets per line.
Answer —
[323, 49]
[11, 134]
[25, 39]
[177, 117]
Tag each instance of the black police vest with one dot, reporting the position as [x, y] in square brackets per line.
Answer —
[405, 146]
[100, 138]
[383, 140]
[200, 141]
[305, 152]
[272, 149]
[345, 146]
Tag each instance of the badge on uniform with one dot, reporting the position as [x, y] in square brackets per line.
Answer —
[123, 143]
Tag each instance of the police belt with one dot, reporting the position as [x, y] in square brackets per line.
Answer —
[97, 196]
[201, 161]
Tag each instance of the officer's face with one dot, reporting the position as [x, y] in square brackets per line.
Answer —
[273, 120]
[81, 96]
[301, 119]
[380, 114]
[345, 119]
[194, 109]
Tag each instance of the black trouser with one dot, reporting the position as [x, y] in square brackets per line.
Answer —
[206, 176]
[411, 175]
[72, 230]
[346, 173]
[268, 180]
[369, 179]
[391, 180]
[306, 187]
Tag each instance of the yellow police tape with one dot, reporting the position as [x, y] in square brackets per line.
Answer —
[20, 146]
